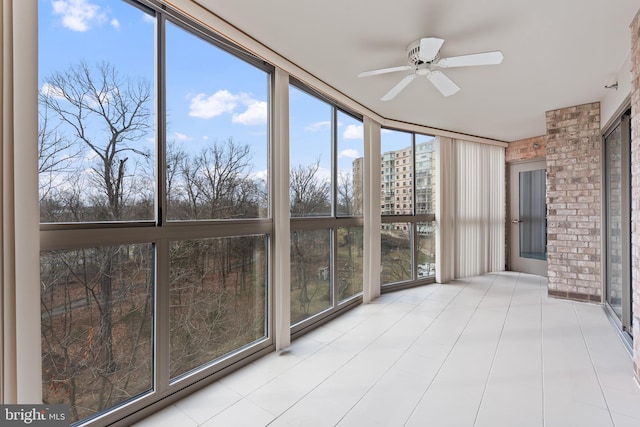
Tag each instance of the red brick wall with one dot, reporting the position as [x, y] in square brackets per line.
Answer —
[635, 187]
[573, 202]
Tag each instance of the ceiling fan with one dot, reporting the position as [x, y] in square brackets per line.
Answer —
[423, 57]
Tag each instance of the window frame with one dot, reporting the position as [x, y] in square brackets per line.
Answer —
[413, 218]
[332, 222]
[160, 233]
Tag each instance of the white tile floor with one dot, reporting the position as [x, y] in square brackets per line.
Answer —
[485, 351]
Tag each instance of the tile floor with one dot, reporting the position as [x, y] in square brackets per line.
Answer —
[486, 351]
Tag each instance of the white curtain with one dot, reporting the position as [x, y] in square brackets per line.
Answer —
[19, 223]
[470, 209]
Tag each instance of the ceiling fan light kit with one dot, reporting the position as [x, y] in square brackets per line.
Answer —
[423, 58]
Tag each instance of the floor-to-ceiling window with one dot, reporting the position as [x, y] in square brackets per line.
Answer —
[154, 205]
[407, 171]
[617, 210]
[326, 195]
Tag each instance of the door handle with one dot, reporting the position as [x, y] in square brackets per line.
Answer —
[515, 221]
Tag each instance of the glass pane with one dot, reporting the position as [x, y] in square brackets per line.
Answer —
[218, 299]
[425, 175]
[396, 168]
[310, 137]
[350, 165]
[349, 262]
[533, 215]
[614, 247]
[217, 132]
[426, 241]
[97, 326]
[96, 113]
[310, 273]
[396, 252]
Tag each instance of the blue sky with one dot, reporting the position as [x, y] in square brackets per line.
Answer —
[212, 95]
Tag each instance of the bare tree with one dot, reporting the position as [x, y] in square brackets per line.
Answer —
[175, 160]
[396, 255]
[310, 194]
[57, 170]
[213, 184]
[104, 114]
[223, 170]
[346, 199]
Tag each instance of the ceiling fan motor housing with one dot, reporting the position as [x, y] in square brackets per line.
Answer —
[413, 53]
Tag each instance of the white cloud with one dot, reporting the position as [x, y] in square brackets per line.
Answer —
[78, 15]
[255, 114]
[206, 107]
[324, 174]
[148, 18]
[182, 137]
[262, 175]
[115, 24]
[225, 102]
[318, 126]
[349, 153]
[50, 90]
[353, 132]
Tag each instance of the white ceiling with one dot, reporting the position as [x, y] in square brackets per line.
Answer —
[558, 53]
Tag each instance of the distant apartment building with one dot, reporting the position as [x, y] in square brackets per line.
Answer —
[396, 184]
[396, 180]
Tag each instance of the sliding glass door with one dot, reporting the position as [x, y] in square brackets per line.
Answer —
[617, 174]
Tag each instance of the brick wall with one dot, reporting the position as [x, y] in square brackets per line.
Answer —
[526, 149]
[573, 202]
[635, 188]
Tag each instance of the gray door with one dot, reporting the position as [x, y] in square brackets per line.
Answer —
[528, 218]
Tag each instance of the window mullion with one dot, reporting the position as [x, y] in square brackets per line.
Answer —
[161, 346]
[161, 317]
[334, 161]
[161, 122]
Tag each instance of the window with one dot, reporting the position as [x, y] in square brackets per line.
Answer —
[326, 193]
[152, 277]
[216, 131]
[408, 253]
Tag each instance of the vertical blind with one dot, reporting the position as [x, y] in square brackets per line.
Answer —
[470, 209]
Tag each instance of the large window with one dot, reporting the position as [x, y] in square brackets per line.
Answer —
[154, 205]
[216, 132]
[326, 193]
[407, 172]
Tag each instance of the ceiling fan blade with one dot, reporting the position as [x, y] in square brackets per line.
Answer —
[486, 58]
[444, 84]
[385, 70]
[398, 88]
[429, 48]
